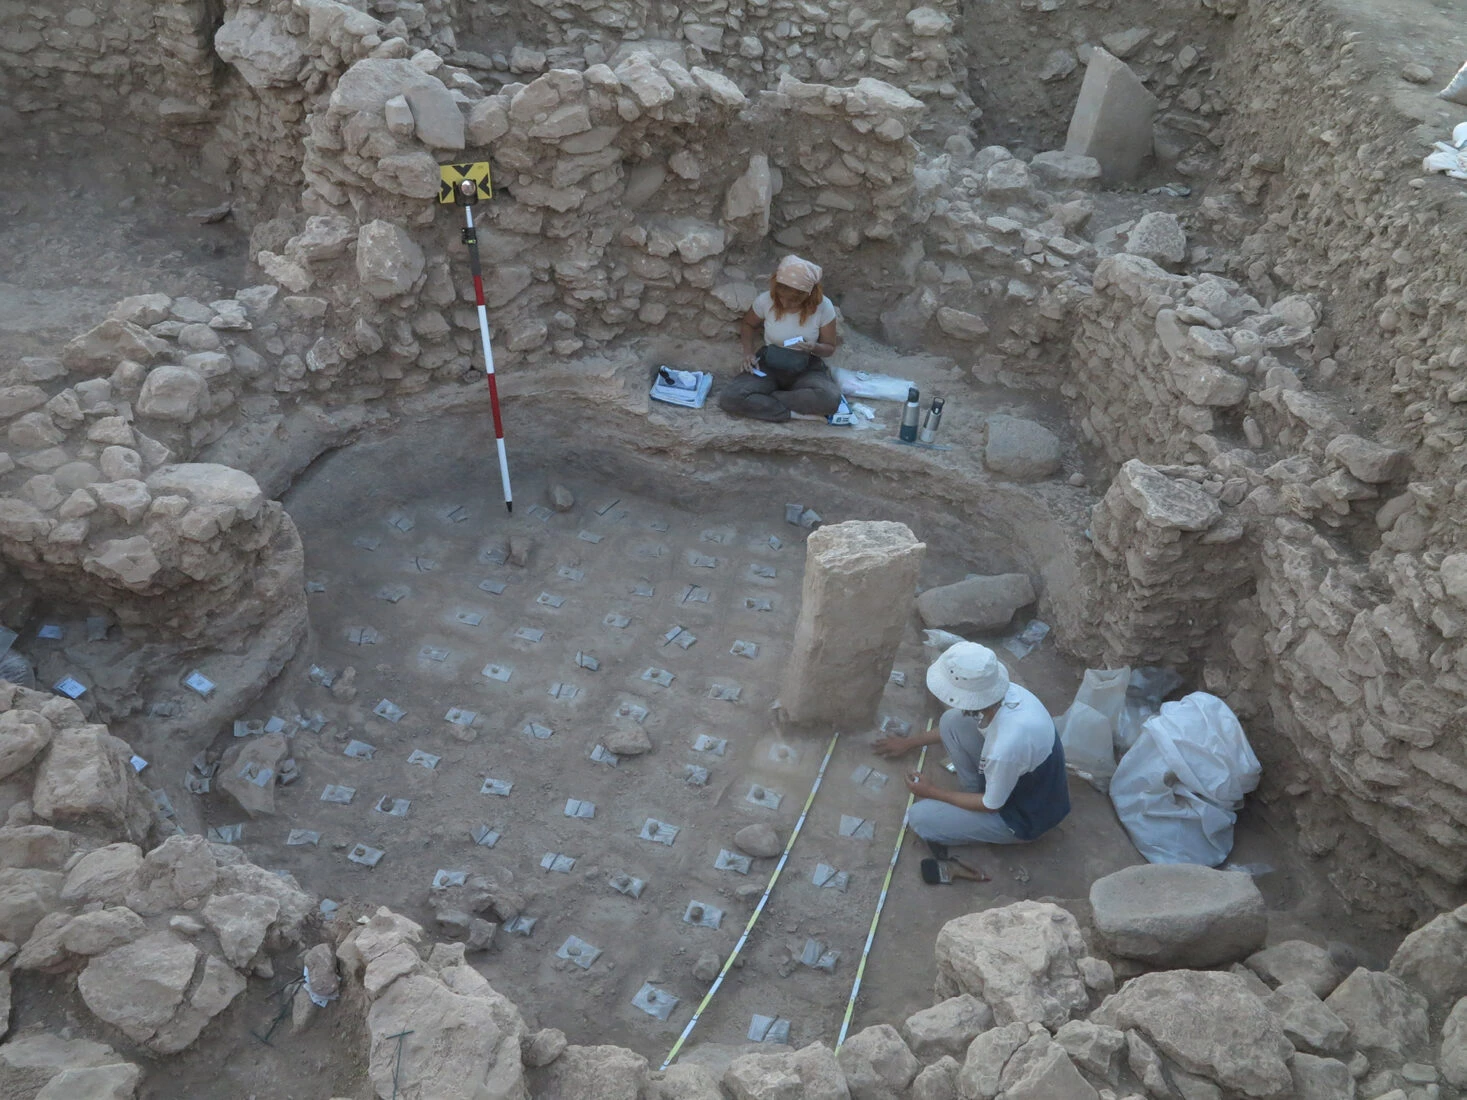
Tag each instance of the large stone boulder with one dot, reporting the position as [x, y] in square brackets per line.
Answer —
[239, 922]
[26, 895]
[947, 1027]
[1179, 915]
[32, 1062]
[105, 875]
[1021, 450]
[178, 871]
[1158, 237]
[1210, 1024]
[1388, 1019]
[159, 990]
[88, 778]
[602, 1071]
[1041, 1070]
[389, 261]
[257, 44]
[976, 605]
[250, 769]
[23, 734]
[1311, 1025]
[1297, 961]
[877, 1064]
[1022, 960]
[810, 1073]
[459, 1046]
[1430, 959]
[173, 393]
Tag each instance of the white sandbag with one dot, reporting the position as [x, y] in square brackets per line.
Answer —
[1179, 788]
[1089, 744]
[874, 387]
[1087, 729]
[1456, 91]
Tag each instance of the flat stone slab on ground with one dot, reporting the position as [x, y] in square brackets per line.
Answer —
[1179, 915]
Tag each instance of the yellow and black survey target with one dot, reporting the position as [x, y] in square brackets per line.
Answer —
[450, 176]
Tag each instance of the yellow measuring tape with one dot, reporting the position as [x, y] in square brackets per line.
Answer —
[845, 1024]
[758, 909]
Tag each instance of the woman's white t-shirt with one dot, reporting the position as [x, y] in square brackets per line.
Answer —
[787, 326]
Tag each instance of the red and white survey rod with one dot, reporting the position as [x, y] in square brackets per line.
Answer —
[469, 189]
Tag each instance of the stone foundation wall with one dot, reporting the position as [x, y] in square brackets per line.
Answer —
[1337, 448]
[81, 59]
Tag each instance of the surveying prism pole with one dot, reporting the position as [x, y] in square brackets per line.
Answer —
[466, 194]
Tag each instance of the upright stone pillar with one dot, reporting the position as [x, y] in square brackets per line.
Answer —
[860, 581]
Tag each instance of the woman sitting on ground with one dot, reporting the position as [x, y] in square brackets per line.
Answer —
[788, 373]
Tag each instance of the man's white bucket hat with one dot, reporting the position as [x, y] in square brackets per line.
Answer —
[968, 676]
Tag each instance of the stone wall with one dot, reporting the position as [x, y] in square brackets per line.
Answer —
[756, 42]
[1346, 659]
[80, 59]
[1027, 60]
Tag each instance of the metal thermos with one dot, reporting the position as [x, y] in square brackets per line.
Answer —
[910, 415]
[933, 421]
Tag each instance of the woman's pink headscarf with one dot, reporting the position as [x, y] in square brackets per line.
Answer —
[797, 274]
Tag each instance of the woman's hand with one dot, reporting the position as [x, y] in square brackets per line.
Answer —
[751, 362]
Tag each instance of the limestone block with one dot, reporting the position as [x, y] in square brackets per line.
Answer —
[1320, 1078]
[105, 875]
[139, 986]
[15, 400]
[960, 324]
[101, 930]
[719, 88]
[986, 1058]
[1179, 915]
[1020, 449]
[644, 81]
[257, 44]
[130, 562]
[371, 82]
[1112, 119]
[1371, 462]
[437, 120]
[1164, 502]
[128, 499]
[1453, 1058]
[120, 464]
[859, 580]
[1209, 1024]
[240, 922]
[1158, 237]
[947, 1027]
[1061, 169]
[27, 895]
[173, 393]
[248, 772]
[143, 309]
[1387, 1018]
[389, 261]
[23, 734]
[1021, 959]
[1093, 1047]
[462, 1046]
[977, 604]
[414, 175]
[877, 1064]
[99, 350]
[88, 775]
[1042, 1070]
[114, 1081]
[1008, 179]
[1207, 384]
[1308, 1022]
[1306, 963]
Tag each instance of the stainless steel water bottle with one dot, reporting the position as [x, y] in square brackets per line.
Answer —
[910, 416]
[933, 421]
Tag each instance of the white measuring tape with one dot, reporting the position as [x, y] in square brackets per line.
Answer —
[758, 909]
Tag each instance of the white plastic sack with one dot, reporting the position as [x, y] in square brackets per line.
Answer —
[1087, 729]
[876, 387]
[1178, 790]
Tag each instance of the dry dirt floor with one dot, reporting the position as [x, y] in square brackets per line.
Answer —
[404, 538]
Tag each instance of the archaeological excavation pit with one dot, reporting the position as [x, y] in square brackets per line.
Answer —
[367, 786]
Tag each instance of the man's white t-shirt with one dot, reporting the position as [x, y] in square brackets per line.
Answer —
[1018, 740]
[787, 326]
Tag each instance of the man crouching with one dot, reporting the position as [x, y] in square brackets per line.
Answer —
[1002, 741]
